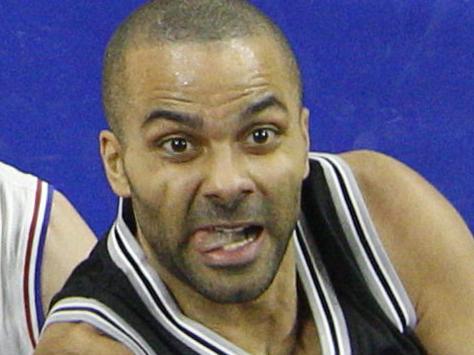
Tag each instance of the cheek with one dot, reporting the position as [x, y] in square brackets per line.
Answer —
[159, 186]
[280, 181]
[282, 172]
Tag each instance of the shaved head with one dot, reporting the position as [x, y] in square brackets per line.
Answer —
[161, 22]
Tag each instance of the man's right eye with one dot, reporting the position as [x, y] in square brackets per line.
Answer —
[178, 147]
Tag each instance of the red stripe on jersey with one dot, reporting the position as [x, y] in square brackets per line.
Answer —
[26, 273]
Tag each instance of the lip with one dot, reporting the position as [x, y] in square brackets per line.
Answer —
[209, 244]
[228, 225]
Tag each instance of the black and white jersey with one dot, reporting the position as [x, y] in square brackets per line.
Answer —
[357, 300]
[25, 203]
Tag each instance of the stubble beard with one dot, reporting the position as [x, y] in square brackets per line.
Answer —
[221, 285]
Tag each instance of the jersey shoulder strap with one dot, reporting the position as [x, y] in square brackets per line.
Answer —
[342, 208]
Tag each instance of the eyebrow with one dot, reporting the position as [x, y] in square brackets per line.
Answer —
[195, 121]
[190, 120]
[263, 104]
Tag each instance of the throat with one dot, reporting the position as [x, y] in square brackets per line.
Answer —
[257, 326]
[306, 339]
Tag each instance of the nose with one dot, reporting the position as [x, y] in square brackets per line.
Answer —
[227, 181]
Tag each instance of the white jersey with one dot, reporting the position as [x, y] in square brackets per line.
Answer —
[25, 203]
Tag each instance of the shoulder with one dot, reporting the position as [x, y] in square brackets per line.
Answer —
[44, 238]
[413, 219]
[68, 241]
[19, 192]
[429, 244]
[402, 202]
[13, 177]
[77, 338]
[375, 170]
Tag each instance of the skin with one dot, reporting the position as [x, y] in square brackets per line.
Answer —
[225, 168]
[81, 339]
[69, 235]
[220, 178]
[430, 246]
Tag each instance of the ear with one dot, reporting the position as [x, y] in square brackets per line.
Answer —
[304, 126]
[111, 152]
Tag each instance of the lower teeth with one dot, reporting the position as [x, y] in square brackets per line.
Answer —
[236, 245]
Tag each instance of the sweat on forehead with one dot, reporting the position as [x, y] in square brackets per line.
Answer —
[180, 21]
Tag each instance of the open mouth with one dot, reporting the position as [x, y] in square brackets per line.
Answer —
[234, 238]
[226, 246]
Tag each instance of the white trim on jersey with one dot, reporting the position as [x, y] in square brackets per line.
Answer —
[332, 329]
[33, 259]
[364, 241]
[100, 316]
[326, 310]
[25, 205]
[327, 313]
[130, 258]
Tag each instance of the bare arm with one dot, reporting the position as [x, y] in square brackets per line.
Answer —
[68, 241]
[77, 339]
[430, 246]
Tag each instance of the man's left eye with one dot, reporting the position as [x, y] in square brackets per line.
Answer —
[261, 136]
[177, 145]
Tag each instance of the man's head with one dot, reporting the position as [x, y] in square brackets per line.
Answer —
[210, 142]
[188, 21]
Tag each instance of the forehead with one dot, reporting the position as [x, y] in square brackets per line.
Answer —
[210, 73]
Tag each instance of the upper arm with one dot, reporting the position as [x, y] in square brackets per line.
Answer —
[68, 241]
[430, 246]
[77, 339]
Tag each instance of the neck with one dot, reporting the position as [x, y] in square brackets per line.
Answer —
[262, 325]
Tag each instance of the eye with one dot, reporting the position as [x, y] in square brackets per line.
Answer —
[177, 146]
[261, 136]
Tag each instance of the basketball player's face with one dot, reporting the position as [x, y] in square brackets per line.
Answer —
[214, 156]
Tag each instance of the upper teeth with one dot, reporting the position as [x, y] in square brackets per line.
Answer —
[229, 230]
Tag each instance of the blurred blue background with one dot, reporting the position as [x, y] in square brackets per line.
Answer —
[396, 76]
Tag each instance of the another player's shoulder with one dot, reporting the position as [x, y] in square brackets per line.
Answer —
[68, 234]
[20, 193]
[67, 231]
[11, 177]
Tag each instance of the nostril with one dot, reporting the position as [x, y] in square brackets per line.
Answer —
[229, 202]
[226, 180]
[229, 189]
[247, 191]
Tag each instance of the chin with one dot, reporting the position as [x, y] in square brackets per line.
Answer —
[241, 295]
[234, 286]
